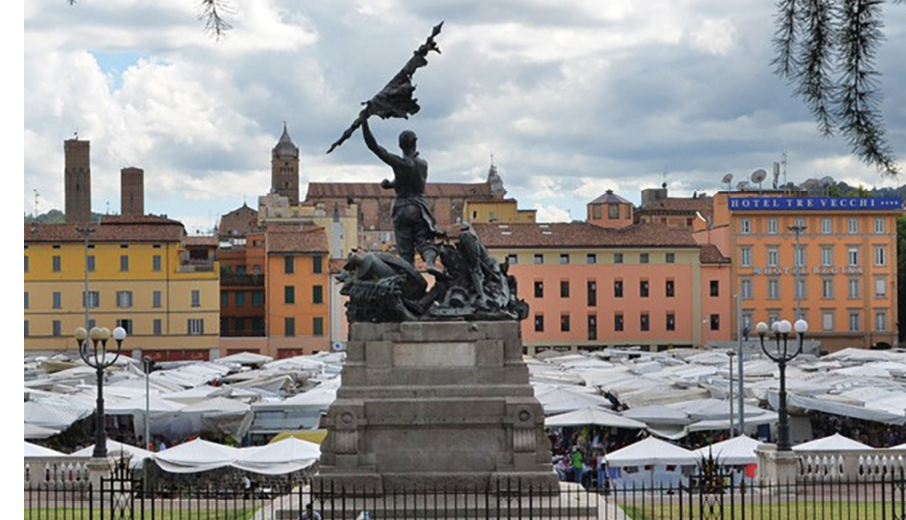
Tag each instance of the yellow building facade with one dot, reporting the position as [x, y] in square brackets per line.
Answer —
[140, 277]
[496, 211]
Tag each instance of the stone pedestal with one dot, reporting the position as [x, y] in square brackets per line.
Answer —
[777, 467]
[435, 405]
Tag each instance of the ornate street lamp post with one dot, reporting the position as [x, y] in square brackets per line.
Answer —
[93, 351]
[781, 355]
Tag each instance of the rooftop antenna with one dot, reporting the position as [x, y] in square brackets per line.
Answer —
[36, 202]
[728, 178]
[783, 164]
[108, 206]
[758, 176]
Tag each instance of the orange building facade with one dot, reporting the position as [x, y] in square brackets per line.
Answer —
[845, 287]
[591, 286]
[298, 296]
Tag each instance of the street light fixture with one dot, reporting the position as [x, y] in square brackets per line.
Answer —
[781, 355]
[93, 351]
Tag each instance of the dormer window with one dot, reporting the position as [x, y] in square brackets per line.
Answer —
[613, 211]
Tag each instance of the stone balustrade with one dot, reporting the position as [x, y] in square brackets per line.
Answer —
[69, 471]
[57, 471]
[824, 466]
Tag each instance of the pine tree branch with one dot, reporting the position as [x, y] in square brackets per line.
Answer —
[785, 38]
[813, 78]
[211, 11]
[858, 94]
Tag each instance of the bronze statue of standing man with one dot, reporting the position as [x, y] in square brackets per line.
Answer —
[413, 224]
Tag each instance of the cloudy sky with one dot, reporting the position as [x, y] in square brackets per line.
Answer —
[571, 97]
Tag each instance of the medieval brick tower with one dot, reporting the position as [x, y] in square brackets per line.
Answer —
[77, 180]
[285, 168]
[132, 191]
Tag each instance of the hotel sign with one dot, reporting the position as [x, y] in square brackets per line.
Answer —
[815, 203]
[822, 270]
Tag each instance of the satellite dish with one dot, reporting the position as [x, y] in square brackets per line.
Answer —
[827, 181]
[742, 186]
[728, 178]
[759, 176]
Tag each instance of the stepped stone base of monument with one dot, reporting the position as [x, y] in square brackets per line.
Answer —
[435, 405]
[570, 501]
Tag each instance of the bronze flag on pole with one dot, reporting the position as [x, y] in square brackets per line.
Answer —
[395, 99]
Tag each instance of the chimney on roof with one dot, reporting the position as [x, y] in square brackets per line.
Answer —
[132, 191]
[77, 179]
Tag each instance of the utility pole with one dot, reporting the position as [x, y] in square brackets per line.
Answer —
[741, 393]
[797, 266]
[86, 232]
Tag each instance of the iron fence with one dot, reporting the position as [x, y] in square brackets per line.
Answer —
[711, 498]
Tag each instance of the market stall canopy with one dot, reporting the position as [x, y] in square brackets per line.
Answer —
[199, 393]
[245, 358]
[217, 405]
[113, 447]
[658, 414]
[651, 451]
[592, 416]
[561, 400]
[738, 451]
[194, 456]
[34, 451]
[55, 412]
[286, 456]
[33, 431]
[835, 442]
[136, 405]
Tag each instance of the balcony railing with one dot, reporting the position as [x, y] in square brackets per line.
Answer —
[255, 280]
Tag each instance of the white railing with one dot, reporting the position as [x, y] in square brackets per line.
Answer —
[823, 466]
[57, 471]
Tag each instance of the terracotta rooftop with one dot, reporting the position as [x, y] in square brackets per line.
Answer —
[138, 219]
[682, 205]
[358, 190]
[710, 254]
[609, 197]
[581, 234]
[161, 230]
[201, 241]
[296, 239]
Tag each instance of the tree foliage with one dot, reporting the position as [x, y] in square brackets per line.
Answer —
[826, 49]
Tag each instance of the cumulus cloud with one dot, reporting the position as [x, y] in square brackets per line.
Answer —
[572, 97]
[551, 213]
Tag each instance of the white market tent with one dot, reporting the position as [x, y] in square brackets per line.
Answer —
[33, 431]
[282, 457]
[651, 451]
[194, 395]
[156, 406]
[34, 451]
[591, 416]
[57, 413]
[245, 358]
[738, 451]
[835, 442]
[217, 406]
[113, 447]
[651, 461]
[285, 456]
[194, 456]
[561, 400]
[658, 414]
